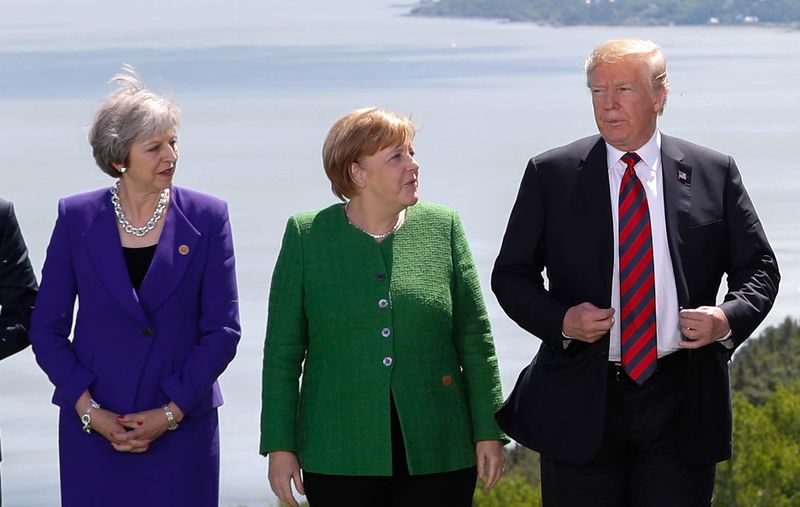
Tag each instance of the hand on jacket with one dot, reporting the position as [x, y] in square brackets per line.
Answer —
[702, 325]
[143, 428]
[587, 323]
[490, 458]
[283, 468]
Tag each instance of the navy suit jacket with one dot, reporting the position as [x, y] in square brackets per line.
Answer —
[561, 223]
[17, 284]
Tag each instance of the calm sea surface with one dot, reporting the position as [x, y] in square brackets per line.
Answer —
[259, 84]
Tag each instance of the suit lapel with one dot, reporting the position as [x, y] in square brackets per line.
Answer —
[677, 181]
[175, 249]
[105, 251]
[593, 187]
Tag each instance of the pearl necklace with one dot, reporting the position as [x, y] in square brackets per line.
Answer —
[150, 225]
[396, 226]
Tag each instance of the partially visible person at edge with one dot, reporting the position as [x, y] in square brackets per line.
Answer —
[17, 288]
[628, 399]
[377, 301]
[152, 267]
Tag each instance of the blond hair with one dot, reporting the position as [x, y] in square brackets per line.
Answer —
[359, 134]
[647, 51]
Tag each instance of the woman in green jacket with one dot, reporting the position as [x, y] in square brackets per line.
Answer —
[376, 301]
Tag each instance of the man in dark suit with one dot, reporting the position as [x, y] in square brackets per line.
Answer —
[628, 399]
[17, 286]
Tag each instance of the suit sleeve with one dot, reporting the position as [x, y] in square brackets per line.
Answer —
[752, 271]
[472, 335]
[517, 279]
[285, 347]
[52, 319]
[219, 323]
[17, 285]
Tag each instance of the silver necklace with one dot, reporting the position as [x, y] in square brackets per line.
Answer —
[396, 226]
[150, 225]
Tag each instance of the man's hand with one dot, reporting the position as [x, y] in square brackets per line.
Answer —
[587, 322]
[703, 325]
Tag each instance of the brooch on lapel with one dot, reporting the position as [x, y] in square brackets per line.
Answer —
[684, 177]
[183, 249]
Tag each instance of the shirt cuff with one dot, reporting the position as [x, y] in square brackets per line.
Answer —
[726, 340]
[566, 341]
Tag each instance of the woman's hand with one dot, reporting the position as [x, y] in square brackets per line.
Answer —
[143, 428]
[283, 468]
[103, 421]
[490, 458]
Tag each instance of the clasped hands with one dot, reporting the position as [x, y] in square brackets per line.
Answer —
[699, 326]
[128, 432]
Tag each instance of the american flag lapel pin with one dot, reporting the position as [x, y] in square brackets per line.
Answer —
[683, 177]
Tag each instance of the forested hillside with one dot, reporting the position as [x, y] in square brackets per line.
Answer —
[620, 12]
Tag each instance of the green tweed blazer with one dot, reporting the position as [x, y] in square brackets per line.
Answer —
[360, 320]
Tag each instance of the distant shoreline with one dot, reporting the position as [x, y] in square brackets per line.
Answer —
[789, 27]
[468, 9]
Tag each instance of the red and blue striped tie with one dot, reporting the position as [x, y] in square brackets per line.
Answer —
[636, 279]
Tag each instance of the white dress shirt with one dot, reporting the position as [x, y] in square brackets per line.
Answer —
[649, 172]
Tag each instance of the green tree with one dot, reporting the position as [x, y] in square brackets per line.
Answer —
[523, 462]
[512, 490]
[768, 361]
[520, 485]
[765, 468]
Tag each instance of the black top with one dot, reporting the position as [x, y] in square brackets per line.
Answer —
[138, 261]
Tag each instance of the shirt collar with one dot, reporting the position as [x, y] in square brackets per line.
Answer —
[649, 153]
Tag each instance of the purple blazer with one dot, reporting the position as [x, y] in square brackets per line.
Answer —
[135, 352]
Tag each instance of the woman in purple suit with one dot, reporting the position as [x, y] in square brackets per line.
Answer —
[152, 267]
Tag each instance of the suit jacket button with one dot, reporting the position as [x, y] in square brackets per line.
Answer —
[183, 249]
[386, 332]
[387, 361]
[147, 332]
[380, 277]
[447, 380]
[383, 303]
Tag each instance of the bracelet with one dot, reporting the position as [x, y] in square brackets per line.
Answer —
[86, 418]
[171, 424]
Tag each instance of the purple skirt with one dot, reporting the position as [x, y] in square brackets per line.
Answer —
[180, 469]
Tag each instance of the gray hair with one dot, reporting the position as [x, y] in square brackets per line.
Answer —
[648, 51]
[128, 114]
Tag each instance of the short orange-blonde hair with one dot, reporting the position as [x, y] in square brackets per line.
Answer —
[359, 134]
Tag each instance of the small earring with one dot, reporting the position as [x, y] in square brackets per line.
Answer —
[122, 170]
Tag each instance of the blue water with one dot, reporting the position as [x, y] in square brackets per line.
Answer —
[259, 85]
